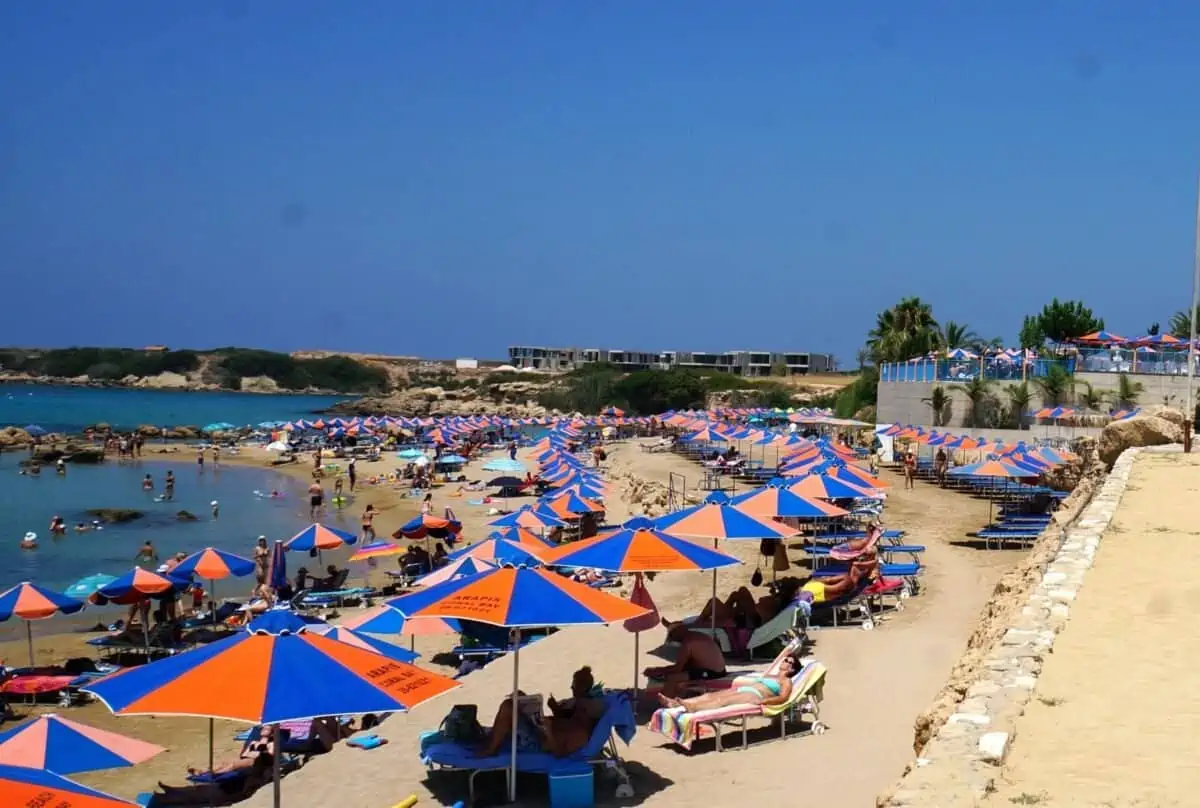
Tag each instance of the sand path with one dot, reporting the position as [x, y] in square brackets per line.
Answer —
[879, 682]
[1115, 715]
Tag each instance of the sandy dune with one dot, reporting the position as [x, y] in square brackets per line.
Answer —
[1115, 715]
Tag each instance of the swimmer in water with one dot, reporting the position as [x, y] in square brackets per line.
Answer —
[30, 541]
[147, 483]
[216, 508]
[170, 485]
[57, 526]
[60, 467]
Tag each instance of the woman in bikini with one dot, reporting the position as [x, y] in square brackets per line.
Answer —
[765, 689]
[368, 528]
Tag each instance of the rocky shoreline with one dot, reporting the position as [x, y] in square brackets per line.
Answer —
[260, 385]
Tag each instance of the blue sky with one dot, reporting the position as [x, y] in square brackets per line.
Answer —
[449, 178]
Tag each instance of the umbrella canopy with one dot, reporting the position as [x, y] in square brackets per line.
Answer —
[721, 522]
[270, 678]
[995, 468]
[822, 486]
[516, 597]
[382, 620]
[773, 502]
[570, 505]
[707, 434]
[522, 535]
[502, 551]
[34, 430]
[84, 587]
[504, 464]
[506, 481]
[214, 565]
[410, 454]
[135, 586]
[451, 460]
[319, 537]
[20, 786]
[459, 568]
[67, 747]
[368, 643]
[638, 550]
[31, 602]
[528, 517]
[428, 525]
[378, 549]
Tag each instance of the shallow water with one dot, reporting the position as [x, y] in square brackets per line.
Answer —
[30, 502]
[70, 409]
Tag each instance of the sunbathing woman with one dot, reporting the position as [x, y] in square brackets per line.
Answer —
[823, 590]
[764, 689]
[741, 610]
[566, 730]
[225, 790]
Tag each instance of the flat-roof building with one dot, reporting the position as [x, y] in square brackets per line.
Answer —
[742, 363]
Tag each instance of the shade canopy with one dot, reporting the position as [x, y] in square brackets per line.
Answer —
[516, 597]
[135, 586]
[20, 786]
[319, 537]
[32, 602]
[68, 747]
[721, 522]
[638, 550]
[369, 643]
[214, 564]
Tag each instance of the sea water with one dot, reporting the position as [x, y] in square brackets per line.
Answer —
[70, 409]
[27, 503]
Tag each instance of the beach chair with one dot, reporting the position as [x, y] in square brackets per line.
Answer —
[791, 620]
[795, 644]
[684, 728]
[440, 755]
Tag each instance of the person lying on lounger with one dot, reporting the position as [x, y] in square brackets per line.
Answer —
[765, 689]
[699, 658]
[565, 731]
[224, 790]
[741, 610]
[824, 590]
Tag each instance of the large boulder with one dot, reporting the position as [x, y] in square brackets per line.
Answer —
[183, 432]
[11, 436]
[1169, 414]
[1141, 430]
[149, 431]
[258, 384]
[115, 516]
[165, 381]
[83, 454]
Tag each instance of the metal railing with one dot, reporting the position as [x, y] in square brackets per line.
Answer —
[964, 370]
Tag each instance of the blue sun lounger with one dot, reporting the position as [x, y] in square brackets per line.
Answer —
[618, 721]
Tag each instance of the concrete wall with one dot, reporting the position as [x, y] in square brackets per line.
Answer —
[902, 402]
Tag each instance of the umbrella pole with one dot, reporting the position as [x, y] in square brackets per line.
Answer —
[210, 755]
[275, 774]
[637, 636]
[29, 636]
[512, 768]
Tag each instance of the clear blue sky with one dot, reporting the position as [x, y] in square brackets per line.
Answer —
[449, 178]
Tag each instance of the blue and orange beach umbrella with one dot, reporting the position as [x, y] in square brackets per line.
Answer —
[31, 602]
[516, 598]
[530, 518]
[777, 502]
[269, 678]
[319, 537]
[68, 747]
[213, 565]
[427, 525]
[38, 787]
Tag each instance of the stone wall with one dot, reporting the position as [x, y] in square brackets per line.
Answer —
[959, 763]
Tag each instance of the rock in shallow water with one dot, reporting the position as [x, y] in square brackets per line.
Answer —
[114, 516]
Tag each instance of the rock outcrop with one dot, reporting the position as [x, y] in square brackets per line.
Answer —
[259, 384]
[186, 516]
[518, 399]
[645, 497]
[115, 516]
[11, 436]
[1141, 430]
[165, 381]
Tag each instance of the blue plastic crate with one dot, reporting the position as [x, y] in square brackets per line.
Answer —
[572, 789]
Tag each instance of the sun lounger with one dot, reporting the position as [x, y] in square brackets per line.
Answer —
[617, 722]
[684, 728]
[792, 619]
[655, 686]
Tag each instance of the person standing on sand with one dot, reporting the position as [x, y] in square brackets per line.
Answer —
[427, 504]
[262, 560]
[216, 456]
[910, 470]
[316, 496]
[338, 483]
[169, 485]
[368, 528]
[352, 473]
[939, 466]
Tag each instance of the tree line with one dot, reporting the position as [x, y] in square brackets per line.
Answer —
[226, 368]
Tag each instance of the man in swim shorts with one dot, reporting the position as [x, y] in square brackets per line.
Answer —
[699, 659]
[316, 496]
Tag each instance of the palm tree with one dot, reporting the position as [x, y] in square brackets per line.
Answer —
[1019, 399]
[1090, 398]
[862, 356]
[903, 331]
[978, 391]
[953, 335]
[1054, 386]
[940, 402]
[1180, 324]
[1127, 391]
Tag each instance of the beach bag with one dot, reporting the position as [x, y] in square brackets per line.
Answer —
[757, 578]
[779, 561]
[766, 547]
[461, 724]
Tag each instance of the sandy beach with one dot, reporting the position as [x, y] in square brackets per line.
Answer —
[878, 681]
[1114, 708]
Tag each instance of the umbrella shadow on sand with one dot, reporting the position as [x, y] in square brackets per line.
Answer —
[491, 787]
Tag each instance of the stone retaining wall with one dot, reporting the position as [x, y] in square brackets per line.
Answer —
[960, 763]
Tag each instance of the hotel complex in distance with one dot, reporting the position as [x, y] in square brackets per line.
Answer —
[742, 363]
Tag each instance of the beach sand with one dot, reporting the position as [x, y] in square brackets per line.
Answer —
[878, 681]
[1115, 713]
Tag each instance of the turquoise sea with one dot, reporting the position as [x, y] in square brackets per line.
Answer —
[30, 502]
[70, 409]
